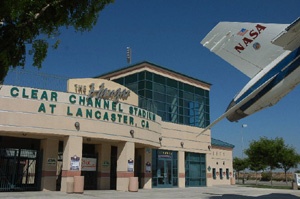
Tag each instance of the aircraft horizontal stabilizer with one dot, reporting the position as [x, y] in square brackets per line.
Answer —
[238, 105]
[289, 39]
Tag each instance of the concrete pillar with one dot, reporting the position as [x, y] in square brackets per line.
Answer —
[104, 154]
[49, 166]
[124, 165]
[146, 180]
[181, 169]
[209, 169]
[72, 156]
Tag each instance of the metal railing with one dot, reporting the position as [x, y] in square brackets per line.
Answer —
[26, 78]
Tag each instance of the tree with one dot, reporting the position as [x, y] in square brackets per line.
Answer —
[239, 164]
[256, 166]
[266, 152]
[256, 160]
[24, 22]
[290, 159]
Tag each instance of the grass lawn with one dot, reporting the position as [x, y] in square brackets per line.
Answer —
[268, 186]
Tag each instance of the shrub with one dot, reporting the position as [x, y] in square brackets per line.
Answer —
[266, 176]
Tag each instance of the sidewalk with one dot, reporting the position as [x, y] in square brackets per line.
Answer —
[215, 192]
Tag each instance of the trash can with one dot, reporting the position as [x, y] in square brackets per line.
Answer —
[70, 187]
[232, 181]
[133, 184]
[78, 184]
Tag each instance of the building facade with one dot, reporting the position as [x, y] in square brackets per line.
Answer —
[141, 121]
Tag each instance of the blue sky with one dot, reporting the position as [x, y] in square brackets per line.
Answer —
[168, 33]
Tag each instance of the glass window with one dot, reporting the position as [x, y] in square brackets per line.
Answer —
[188, 88]
[189, 96]
[172, 116]
[186, 112]
[192, 121]
[199, 99]
[141, 92]
[171, 82]
[162, 114]
[160, 106]
[142, 75]
[159, 79]
[195, 170]
[214, 173]
[221, 173]
[192, 113]
[206, 101]
[159, 96]
[206, 94]
[199, 91]
[171, 91]
[180, 102]
[172, 100]
[148, 94]
[149, 85]
[159, 88]
[141, 85]
[130, 79]
[119, 81]
[148, 75]
[227, 174]
[186, 120]
[180, 119]
[180, 85]
[133, 87]
[185, 104]
[180, 94]
[175, 182]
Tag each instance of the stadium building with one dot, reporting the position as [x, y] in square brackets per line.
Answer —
[136, 127]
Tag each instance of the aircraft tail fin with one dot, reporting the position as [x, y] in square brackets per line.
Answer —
[246, 46]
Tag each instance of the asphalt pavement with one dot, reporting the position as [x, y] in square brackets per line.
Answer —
[215, 192]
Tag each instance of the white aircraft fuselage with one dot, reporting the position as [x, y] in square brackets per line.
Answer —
[283, 75]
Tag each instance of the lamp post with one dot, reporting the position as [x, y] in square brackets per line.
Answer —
[243, 126]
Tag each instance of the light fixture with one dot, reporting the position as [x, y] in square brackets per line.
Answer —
[181, 143]
[77, 126]
[160, 139]
[132, 133]
[24, 134]
[208, 147]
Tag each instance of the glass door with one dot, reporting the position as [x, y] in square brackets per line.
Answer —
[164, 173]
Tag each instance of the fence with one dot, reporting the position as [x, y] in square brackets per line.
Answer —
[26, 78]
[20, 169]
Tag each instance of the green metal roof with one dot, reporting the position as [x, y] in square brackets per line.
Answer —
[161, 67]
[215, 142]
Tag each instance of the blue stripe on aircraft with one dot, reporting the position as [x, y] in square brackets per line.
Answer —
[276, 70]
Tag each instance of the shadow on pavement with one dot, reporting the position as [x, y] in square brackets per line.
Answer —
[269, 196]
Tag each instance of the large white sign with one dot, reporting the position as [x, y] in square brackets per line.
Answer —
[89, 164]
[297, 178]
